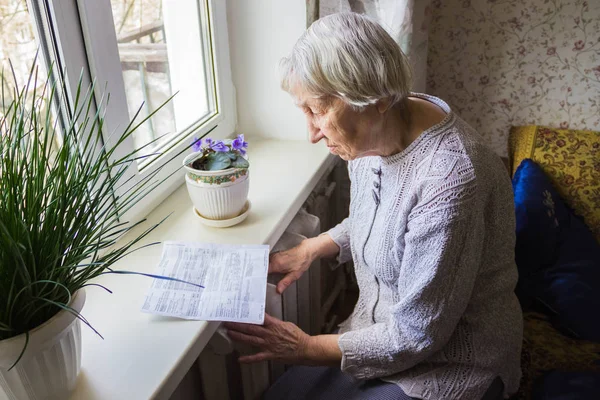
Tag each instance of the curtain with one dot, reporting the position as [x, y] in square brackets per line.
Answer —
[405, 20]
[312, 11]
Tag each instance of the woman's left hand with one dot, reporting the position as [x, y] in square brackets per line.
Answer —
[277, 340]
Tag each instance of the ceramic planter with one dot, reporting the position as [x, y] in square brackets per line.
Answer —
[217, 195]
[49, 367]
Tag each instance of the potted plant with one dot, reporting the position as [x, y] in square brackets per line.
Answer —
[59, 226]
[217, 179]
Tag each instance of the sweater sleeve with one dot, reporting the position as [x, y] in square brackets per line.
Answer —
[442, 252]
[340, 233]
[341, 236]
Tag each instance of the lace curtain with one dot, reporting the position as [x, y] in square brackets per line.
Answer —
[405, 20]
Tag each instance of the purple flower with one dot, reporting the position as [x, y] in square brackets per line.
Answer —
[209, 142]
[219, 147]
[197, 144]
[239, 144]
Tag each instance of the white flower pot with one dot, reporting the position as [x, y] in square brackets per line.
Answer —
[49, 367]
[217, 195]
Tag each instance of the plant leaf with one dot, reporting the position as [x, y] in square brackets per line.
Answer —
[240, 162]
[217, 161]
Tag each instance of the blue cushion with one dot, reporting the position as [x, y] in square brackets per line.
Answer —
[570, 293]
[557, 255]
[558, 385]
[540, 213]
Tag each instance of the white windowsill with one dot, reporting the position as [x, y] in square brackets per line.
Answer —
[144, 356]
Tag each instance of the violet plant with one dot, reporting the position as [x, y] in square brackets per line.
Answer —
[217, 155]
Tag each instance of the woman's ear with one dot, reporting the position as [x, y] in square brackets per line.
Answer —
[383, 105]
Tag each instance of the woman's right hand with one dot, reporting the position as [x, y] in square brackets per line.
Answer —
[293, 263]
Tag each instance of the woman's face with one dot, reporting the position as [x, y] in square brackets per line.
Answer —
[346, 132]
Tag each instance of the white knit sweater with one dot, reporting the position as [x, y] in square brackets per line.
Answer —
[431, 232]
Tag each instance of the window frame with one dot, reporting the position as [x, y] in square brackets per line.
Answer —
[74, 24]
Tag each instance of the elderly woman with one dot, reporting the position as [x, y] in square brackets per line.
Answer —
[430, 232]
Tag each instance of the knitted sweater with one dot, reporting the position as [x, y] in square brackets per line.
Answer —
[431, 232]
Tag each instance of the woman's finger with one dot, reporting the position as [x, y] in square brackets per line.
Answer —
[269, 320]
[258, 357]
[287, 281]
[275, 264]
[249, 329]
[247, 339]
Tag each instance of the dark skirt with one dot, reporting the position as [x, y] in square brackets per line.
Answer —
[326, 383]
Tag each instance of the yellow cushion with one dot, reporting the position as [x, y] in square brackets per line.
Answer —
[545, 348]
[570, 158]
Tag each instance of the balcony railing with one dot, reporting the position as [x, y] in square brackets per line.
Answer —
[145, 50]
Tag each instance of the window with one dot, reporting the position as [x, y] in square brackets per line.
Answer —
[18, 48]
[17, 41]
[19, 52]
[164, 48]
[157, 49]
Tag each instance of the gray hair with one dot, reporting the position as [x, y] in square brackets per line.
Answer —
[349, 56]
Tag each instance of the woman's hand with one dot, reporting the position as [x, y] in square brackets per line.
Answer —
[277, 340]
[294, 262]
[285, 342]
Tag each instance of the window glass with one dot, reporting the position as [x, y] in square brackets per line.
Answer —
[18, 49]
[164, 48]
[18, 45]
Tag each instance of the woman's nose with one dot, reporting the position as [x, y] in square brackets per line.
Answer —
[315, 134]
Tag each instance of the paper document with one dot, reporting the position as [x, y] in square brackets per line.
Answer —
[234, 279]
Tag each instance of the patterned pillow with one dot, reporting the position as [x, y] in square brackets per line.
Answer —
[572, 161]
[545, 348]
[557, 256]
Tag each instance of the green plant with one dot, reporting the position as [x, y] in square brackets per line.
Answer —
[60, 216]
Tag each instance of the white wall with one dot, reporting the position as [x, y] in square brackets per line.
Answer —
[260, 33]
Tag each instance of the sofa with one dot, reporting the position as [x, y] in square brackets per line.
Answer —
[556, 182]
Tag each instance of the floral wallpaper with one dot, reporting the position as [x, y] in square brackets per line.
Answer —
[500, 63]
